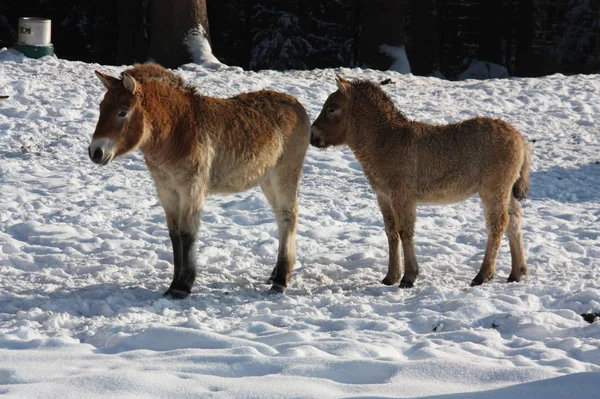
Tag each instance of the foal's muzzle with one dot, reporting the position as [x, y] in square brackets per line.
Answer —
[315, 140]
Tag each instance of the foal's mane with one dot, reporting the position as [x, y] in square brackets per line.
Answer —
[157, 75]
[366, 92]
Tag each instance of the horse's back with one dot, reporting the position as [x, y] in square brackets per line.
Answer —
[455, 161]
[263, 127]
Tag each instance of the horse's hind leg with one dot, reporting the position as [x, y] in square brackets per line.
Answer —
[515, 241]
[495, 210]
[281, 191]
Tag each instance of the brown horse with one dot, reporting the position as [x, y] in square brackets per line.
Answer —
[195, 145]
[408, 162]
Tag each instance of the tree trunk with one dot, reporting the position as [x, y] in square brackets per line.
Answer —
[382, 22]
[170, 23]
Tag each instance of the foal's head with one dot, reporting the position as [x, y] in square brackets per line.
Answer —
[120, 127]
[332, 125]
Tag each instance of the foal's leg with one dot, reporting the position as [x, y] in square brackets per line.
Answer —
[495, 210]
[281, 194]
[170, 202]
[394, 263]
[515, 241]
[405, 212]
[188, 223]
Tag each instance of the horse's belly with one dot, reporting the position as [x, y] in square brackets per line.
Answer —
[447, 195]
[237, 180]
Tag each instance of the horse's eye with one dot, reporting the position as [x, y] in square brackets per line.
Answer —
[331, 110]
[122, 114]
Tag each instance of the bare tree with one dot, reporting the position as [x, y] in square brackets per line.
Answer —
[170, 24]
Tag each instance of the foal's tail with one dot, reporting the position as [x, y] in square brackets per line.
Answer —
[521, 186]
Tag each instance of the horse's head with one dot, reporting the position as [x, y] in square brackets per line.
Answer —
[120, 127]
[332, 125]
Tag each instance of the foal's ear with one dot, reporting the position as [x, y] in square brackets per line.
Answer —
[130, 83]
[342, 84]
[107, 80]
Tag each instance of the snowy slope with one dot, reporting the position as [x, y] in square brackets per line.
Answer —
[85, 256]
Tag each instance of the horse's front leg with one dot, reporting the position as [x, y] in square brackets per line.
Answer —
[185, 237]
[282, 196]
[405, 212]
[177, 252]
[169, 199]
[394, 263]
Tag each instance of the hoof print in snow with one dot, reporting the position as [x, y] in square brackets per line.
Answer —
[176, 294]
[590, 317]
[386, 82]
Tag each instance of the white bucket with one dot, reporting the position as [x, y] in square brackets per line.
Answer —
[34, 31]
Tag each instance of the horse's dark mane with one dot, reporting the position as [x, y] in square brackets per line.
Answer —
[364, 90]
[146, 73]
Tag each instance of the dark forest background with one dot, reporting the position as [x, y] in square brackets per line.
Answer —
[528, 37]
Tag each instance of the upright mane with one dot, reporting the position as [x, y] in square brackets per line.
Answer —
[156, 74]
[366, 93]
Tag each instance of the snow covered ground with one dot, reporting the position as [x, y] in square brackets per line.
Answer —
[85, 256]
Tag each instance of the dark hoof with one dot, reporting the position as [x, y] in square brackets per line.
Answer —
[478, 280]
[176, 294]
[515, 279]
[389, 281]
[406, 284]
[277, 289]
[591, 317]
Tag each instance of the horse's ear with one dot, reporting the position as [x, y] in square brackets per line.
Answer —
[130, 83]
[107, 80]
[342, 84]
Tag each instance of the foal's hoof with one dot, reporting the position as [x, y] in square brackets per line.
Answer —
[176, 294]
[277, 289]
[406, 284]
[389, 281]
[512, 278]
[480, 280]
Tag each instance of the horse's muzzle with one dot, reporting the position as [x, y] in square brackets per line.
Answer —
[97, 156]
[315, 140]
[101, 151]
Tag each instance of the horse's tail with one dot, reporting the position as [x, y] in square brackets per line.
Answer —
[521, 186]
